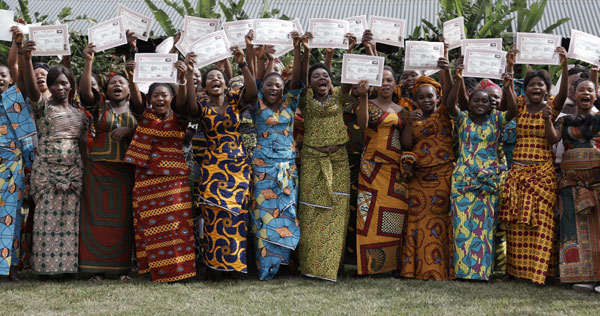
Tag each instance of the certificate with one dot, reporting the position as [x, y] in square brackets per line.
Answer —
[281, 50]
[135, 22]
[481, 43]
[388, 31]
[537, 49]
[211, 48]
[236, 32]
[328, 33]
[484, 63]
[6, 22]
[357, 26]
[193, 29]
[273, 32]
[359, 67]
[454, 32]
[422, 55]
[585, 47]
[108, 34]
[151, 67]
[50, 40]
[25, 27]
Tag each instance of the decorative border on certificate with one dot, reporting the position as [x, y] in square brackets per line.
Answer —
[339, 26]
[399, 42]
[436, 47]
[218, 36]
[370, 64]
[490, 55]
[118, 21]
[127, 13]
[357, 24]
[449, 28]
[154, 60]
[60, 30]
[480, 43]
[236, 32]
[590, 45]
[554, 40]
[187, 38]
[280, 25]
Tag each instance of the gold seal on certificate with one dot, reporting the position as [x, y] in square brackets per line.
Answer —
[135, 22]
[484, 63]
[422, 55]
[152, 67]
[360, 67]
[537, 49]
[50, 40]
[108, 34]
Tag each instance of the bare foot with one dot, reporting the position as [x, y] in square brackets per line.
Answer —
[12, 276]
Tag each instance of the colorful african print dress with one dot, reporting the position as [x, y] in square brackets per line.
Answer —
[427, 252]
[12, 185]
[162, 201]
[324, 187]
[56, 185]
[273, 213]
[106, 236]
[528, 200]
[579, 195]
[382, 194]
[224, 190]
[475, 184]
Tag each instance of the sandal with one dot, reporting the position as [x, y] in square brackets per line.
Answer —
[125, 278]
[96, 278]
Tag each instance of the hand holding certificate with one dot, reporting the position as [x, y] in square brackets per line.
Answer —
[357, 26]
[422, 55]
[108, 34]
[50, 40]
[193, 29]
[211, 48]
[585, 47]
[360, 67]
[484, 63]
[328, 33]
[6, 22]
[537, 49]
[273, 32]
[135, 22]
[481, 43]
[454, 32]
[387, 31]
[155, 68]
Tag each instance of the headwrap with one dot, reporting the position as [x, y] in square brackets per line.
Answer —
[237, 81]
[427, 81]
[486, 83]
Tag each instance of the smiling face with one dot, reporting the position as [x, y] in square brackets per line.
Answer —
[408, 79]
[215, 83]
[272, 90]
[117, 89]
[585, 96]
[60, 88]
[495, 96]
[201, 92]
[427, 99]
[161, 100]
[5, 78]
[40, 78]
[320, 81]
[536, 90]
[479, 103]
[197, 77]
[388, 84]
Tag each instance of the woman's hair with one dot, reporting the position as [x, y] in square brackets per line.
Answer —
[582, 80]
[108, 79]
[542, 73]
[56, 71]
[205, 74]
[94, 76]
[315, 67]
[274, 74]
[160, 84]
[41, 65]
[390, 69]
[478, 90]
[4, 66]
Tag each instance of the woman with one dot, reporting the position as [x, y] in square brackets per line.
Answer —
[382, 190]
[427, 252]
[224, 188]
[529, 196]
[324, 176]
[106, 237]
[273, 214]
[578, 189]
[57, 176]
[162, 205]
[476, 178]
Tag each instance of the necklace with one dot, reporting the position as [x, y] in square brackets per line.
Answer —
[116, 115]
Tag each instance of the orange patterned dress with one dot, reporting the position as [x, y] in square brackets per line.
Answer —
[529, 198]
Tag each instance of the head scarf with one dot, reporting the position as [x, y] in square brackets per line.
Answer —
[237, 81]
[427, 81]
[486, 83]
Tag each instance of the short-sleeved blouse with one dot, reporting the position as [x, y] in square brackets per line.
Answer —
[432, 139]
[324, 123]
[531, 133]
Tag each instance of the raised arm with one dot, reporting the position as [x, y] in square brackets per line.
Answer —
[452, 99]
[552, 134]
[13, 60]
[509, 96]
[445, 75]
[362, 112]
[346, 87]
[250, 56]
[463, 97]
[561, 96]
[173, 49]
[181, 101]
[297, 67]
[329, 57]
[367, 38]
[306, 59]
[25, 65]
[85, 84]
[250, 90]
[192, 99]
[594, 74]
[136, 101]
[270, 52]
[260, 61]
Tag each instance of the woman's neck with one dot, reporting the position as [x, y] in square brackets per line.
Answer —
[321, 98]
[478, 119]
[217, 100]
[119, 104]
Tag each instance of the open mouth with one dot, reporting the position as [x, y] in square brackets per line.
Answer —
[117, 91]
[215, 86]
[273, 94]
[41, 82]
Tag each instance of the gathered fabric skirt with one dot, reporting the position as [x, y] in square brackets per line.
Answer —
[428, 245]
[12, 188]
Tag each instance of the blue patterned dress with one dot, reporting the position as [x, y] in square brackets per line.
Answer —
[475, 183]
[273, 214]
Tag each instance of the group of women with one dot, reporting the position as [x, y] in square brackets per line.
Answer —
[436, 187]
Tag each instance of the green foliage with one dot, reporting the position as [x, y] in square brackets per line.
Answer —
[233, 11]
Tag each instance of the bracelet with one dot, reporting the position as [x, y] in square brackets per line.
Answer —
[510, 73]
[242, 65]
[18, 43]
[20, 53]
[182, 83]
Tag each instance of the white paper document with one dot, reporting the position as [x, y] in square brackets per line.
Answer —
[585, 47]
[328, 33]
[151, 67]
[357, 26]
[481, 43]
[211, 48]
[108, 34]
[388, 31]
[360, 67]
[484, 63]
[454, 32]
[6, 22]
[236, 32]
[273, 32]
[135, 22]
[50, 40]
[537, 49]
[193, 29]
[422, 55]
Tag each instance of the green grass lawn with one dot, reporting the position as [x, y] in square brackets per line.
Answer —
[381, 295]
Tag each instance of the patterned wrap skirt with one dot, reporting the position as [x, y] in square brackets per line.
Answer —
[12, 188]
